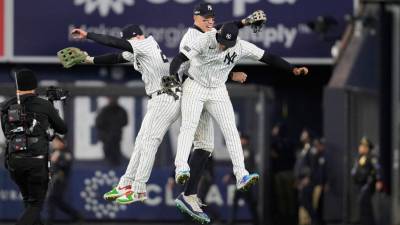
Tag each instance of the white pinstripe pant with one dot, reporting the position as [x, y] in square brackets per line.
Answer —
[162, 111]
[216, 101]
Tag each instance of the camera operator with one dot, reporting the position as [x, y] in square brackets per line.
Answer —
[26, 120]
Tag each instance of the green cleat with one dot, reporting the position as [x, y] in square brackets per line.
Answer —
[131, 197]
[116, 192]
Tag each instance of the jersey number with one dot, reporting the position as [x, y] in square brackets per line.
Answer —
[163, 56]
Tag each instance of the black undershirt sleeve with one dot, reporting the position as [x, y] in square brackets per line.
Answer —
[110, 41]
[277, 62]
[238, 23]
[110, 58]
[176, 63]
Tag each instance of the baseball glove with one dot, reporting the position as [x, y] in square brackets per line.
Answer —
[169, 81]
[71, 56]
[256, 20]
[170, 85]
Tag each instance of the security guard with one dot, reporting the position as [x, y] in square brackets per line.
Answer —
[366, 175]
[26, 121]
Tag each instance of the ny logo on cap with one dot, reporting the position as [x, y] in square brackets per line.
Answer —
[228, 36]
[209, 7]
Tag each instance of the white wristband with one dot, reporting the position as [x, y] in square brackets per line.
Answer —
[89, 60]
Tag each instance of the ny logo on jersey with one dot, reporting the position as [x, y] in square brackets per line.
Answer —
[230, 58]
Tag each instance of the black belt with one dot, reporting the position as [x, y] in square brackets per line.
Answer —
[171, 92]
[156, 93]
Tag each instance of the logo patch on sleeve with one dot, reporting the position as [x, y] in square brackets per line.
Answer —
[187, 48]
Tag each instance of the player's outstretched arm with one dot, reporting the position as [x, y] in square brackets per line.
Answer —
[256, 20]
[72, 56]
[251, 51]
[280, 63]
[106, 59]
[239, 24]
[103, 39]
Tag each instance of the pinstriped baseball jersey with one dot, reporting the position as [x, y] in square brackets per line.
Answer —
[209, 65]
[162, 111]
[204, 137]
[148, 59]
[190, 36]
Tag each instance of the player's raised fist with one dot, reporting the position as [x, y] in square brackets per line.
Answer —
[297, 71]
[239, 77]
[78, 33]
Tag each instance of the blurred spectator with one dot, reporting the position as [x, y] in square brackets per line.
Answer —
[311, 175]
[318, 180]
[61, 161]
[366, 175]
[283, 193]
[248, 196]
[302, 172]
[306, 138]
[109, 123]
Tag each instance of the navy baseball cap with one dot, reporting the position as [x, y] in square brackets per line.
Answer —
[130, 31]
[227, 35]
[204, 9]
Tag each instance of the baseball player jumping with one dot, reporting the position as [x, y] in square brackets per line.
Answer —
[203, 15]
[162, 110]
[211, 58]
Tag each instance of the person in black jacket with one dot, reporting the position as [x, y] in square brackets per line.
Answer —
[282, 159]
[109, 123]
[26, 127]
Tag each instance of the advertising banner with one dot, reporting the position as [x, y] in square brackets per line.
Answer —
[41, 28]
[90, 180]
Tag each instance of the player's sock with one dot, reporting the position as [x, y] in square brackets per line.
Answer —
[197, 163]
